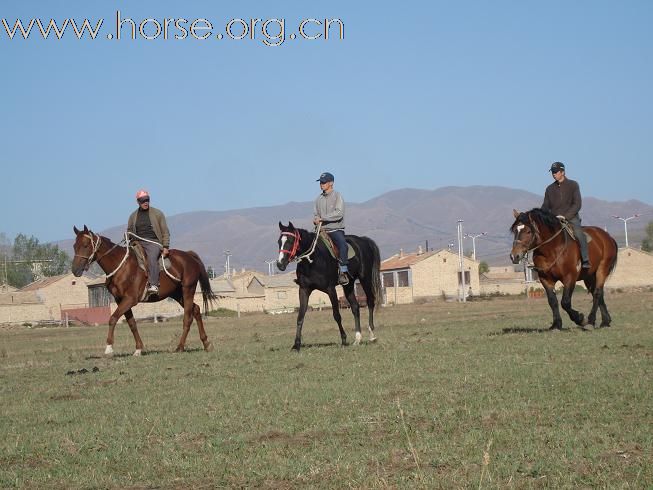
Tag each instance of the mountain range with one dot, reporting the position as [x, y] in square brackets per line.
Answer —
[401, 219]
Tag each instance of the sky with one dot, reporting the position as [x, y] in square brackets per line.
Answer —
[416, 95]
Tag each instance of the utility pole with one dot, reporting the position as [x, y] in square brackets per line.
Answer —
[474, 237]
[625, 220]
[461, 259]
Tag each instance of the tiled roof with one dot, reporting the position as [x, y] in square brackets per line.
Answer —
[42, 283]
[405, 261]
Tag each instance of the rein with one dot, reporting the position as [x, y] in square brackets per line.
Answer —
[562, 228]
[295, 246]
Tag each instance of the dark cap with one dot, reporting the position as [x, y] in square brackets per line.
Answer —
[325, 177]
[556, 167]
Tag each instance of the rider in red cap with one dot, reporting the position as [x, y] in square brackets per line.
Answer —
[150, 224]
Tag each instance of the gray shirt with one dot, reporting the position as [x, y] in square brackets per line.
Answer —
[330, 208]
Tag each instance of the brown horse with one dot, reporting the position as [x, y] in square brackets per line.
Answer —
[557, 258]
[126, 281]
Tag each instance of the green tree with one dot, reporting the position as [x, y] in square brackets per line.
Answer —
[483, 267]
[23, 266]
[647, 243]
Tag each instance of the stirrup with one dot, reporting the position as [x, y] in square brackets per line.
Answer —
[343, 279]
[153, 289]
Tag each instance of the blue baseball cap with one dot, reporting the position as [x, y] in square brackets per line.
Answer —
[325, 177]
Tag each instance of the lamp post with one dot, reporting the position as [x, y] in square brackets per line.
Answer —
[270, 268]
[227, 266]
[461, 259]
[474, 237]
[625, 220]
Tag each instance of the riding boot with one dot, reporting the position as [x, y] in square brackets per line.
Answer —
[343, 276]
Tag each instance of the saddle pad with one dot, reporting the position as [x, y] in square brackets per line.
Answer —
[326, 239]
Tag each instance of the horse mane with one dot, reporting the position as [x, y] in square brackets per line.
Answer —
[541, 216]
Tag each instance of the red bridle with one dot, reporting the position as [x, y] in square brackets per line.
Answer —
[295, 245]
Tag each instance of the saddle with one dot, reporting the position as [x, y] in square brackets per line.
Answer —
[570, 231]
[333, 249]
[141, 258]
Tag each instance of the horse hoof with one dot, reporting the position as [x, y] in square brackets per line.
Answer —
[108, 351]
[137, 352]
[208, 347]
[587, 327]
[555, 328]
[179, 349]
[604, 325]
[295, 348]
[373, 339]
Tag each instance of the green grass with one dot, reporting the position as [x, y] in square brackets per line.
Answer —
[452, 395]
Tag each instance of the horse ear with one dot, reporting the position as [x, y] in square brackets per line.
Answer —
[515, 213]
[85, 229]
[280, 226]
[75, 230]
[290, 225]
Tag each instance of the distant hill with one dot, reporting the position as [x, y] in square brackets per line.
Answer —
[400, 219]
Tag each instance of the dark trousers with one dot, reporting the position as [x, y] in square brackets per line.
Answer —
[580, 236]
[338, 237]
[152, 250]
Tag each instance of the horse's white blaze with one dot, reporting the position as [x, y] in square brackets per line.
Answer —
[108, 350]
[137, 352]
[520, 228]
[283, 243]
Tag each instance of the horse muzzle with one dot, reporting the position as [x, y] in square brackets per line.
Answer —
[516, 258]
[281, 266]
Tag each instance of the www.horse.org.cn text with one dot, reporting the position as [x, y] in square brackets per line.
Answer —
[269, 32]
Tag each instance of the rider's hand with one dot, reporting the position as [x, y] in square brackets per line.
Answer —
[316, 221]
[164, 252]
[561, 217]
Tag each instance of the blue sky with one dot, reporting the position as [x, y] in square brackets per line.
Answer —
[418, 94]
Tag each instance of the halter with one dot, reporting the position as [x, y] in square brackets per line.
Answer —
[536, 234]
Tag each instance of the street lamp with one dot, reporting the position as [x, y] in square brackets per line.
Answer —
[227, 265]
[474, 237]
[625, 220]
[270, 268]
[461, 247]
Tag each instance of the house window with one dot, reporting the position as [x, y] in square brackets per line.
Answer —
[281, 294]
[98, 296]
[402, 279]
[388, 279]
[468, 278]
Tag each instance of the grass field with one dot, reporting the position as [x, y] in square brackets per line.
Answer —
[452, 395]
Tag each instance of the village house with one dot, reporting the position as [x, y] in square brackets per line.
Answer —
[634, 269]
[43, 300]
[407, 277]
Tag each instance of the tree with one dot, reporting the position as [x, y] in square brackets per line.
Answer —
[23, 266]
[647, 243]
[483, 267]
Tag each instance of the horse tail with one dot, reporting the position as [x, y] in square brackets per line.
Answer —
[377, 291]
[616, 257]
[208, 296]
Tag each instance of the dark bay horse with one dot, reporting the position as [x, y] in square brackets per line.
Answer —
[557, 258]
[319, 270]
[126, 281]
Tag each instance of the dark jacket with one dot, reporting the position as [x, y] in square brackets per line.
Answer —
[159, 226]
[563, 199]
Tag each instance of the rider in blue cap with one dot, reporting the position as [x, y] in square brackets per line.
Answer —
[329, 210]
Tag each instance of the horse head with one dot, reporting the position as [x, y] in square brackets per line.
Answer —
[288, 245]
[530, 230]
[86, 246]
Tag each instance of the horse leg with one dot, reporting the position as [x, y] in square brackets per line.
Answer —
[596, 301]
[303, 306]
[567, 292]
[553, 304]
[124, 306]
[350, 294]
[335, 307]
[197, 314]
[605, 316]
[371, 301]
[188, 294]
[131, 321]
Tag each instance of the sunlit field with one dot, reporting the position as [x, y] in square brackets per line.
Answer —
[451, 395]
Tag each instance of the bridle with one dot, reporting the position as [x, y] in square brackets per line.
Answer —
[535, 235]
[295, 246]
[96, 246]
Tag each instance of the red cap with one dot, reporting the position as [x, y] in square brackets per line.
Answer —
[142, 193]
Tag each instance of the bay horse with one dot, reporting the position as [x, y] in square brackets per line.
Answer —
[557, 258]
[318, 269]
[126, 281]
